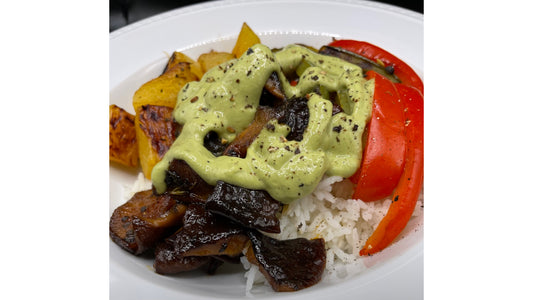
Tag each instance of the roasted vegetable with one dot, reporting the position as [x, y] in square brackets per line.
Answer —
[406, 194]
[168, 261]
[274, 87]
[155, 131]
[182, 181]
[247, 38]
[178, 57]
[288, 265]
[389, 61]
[384, 154]
[203, 237]
[409, 94]
[205, 234]
[250, 208]
[163, 90]
[213, 59]
[239, 146]
[365, 63]
[122, 138]
[140, 223]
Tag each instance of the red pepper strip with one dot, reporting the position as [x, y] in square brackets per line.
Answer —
[406, 193]
[402, 70]
[384, 153]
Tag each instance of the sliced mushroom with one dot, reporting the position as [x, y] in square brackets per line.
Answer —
[144, 220]
[250, 208]
[203, 234]
[288, 265]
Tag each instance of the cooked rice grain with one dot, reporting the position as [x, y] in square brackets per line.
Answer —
[344, 224]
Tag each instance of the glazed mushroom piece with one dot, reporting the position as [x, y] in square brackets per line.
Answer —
[250, 208]
[203, 235]
[144, 220]
[288, 265]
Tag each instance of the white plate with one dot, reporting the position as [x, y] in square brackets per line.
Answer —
[138, 53]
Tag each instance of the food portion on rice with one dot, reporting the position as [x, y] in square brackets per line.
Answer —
[258, 161]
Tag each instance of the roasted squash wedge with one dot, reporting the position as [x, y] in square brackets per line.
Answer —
[213, 59]
[122, 137]
[163, 90]
[156, 131]
[247, 38]
[178, 57]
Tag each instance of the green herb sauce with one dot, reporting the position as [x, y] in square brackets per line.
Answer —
[226, 99]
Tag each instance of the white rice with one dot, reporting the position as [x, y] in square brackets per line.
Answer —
[141, 184]
[344, 224]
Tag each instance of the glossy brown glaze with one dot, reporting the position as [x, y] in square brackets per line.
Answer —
[214, 144]
[168, 261]
[288, 265]
[183, 182]
[274, 87]
[250, 208]
[240, 144]
[295, 115]
[205, 234]
[204, 239]
[144, 220]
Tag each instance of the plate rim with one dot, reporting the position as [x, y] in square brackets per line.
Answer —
[194, 8]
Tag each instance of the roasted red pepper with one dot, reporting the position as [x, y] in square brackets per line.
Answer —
[406, 194]
[402, 70]
[383, 156]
